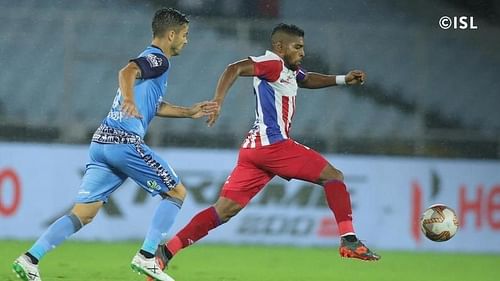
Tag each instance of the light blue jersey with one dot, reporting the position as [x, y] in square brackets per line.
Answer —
[118, 151]
[148, 93]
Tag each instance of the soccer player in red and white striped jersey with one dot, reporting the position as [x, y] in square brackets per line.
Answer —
[268, 150]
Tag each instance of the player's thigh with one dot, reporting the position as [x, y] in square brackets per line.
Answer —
[244, 182]
[148, 169]
[297, 161]
[100, 179]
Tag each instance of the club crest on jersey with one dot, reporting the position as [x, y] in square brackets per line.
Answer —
[153, 60]
[287, 80]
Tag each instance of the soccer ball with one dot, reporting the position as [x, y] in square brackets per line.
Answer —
[439, 223]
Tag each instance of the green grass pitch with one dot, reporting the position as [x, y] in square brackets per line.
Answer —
[82, 261]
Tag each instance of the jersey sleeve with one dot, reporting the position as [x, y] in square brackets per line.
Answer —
[268, 70]
[151, 65]
[301, 74]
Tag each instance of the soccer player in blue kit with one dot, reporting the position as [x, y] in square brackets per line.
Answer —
[117, 151]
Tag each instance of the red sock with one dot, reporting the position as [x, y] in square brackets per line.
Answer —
[197, 228]
[339, 201]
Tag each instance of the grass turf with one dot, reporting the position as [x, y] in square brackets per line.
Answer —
[79, 261]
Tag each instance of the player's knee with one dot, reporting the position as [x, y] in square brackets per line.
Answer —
[179, 192]
[331, 173]
[84, 218]
[226, 210]
[338, 175]
[228, 214]
[86, 212]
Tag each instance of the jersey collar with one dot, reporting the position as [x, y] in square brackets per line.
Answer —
[272, 54]
[154, 46]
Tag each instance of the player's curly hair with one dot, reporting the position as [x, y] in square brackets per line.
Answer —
[167, 18]
[289, 29]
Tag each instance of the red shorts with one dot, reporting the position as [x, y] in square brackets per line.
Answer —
[257, 166]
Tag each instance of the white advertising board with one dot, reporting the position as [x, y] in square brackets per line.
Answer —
[38, 184]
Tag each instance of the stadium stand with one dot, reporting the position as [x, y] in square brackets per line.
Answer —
[71, 61]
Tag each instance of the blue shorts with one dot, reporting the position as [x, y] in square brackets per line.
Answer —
[111, 164]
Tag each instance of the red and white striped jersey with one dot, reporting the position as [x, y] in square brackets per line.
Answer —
[275, 88]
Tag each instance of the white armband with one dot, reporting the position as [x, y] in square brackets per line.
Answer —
[340, 80]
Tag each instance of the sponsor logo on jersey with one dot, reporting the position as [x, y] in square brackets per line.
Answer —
[115, 115]
[153, 185]
[153, 60]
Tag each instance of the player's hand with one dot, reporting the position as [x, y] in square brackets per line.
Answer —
[213, 117]
[355, 77]
[205, 108]
[129, 109]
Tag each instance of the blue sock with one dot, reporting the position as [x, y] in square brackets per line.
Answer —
[57, 232]
[163, 220]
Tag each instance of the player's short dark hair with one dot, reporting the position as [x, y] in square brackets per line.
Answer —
[167, 18]
[289, 29]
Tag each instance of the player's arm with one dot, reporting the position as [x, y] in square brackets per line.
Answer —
[198, 110]
[126, 80]
[313, 80]
[231, 73]
[146, 67]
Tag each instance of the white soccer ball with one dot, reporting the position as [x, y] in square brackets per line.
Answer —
[439, 223]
